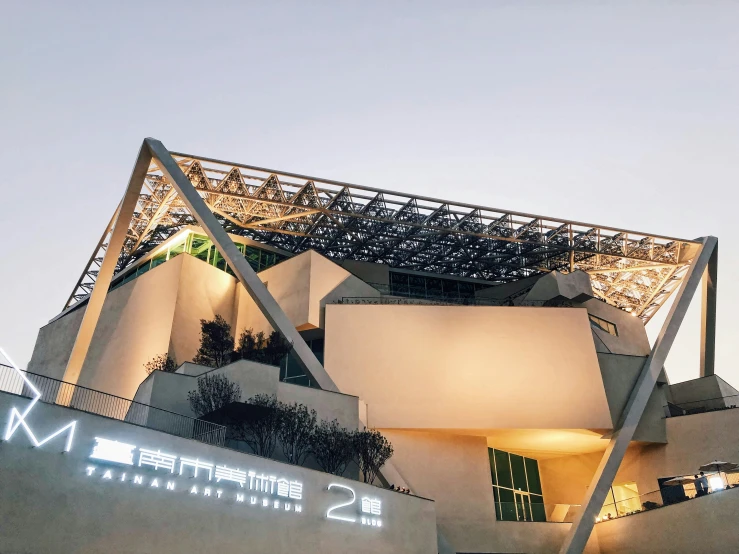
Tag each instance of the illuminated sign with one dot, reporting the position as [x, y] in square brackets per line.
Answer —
[347, 509]
[266, 491]
[18, 419]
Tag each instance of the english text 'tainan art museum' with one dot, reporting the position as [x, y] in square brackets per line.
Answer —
[502, 355]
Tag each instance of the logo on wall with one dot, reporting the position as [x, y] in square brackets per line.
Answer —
[18, 419]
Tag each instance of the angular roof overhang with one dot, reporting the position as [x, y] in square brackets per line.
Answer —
[634, 271]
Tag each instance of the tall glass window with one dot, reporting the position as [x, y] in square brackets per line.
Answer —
[516, 487]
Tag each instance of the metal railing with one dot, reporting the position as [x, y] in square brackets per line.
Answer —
[701, 406]
[411, 301]
[526, 511]
[61, 393]
[663, 497]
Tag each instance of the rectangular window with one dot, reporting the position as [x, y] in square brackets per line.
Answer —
[503, 469]
[519, 473]
[603, 325]
[517, 491]
[532, 476]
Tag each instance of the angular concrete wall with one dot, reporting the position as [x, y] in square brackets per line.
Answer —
[301, 286]
[54, 345]
[135, 325]
[169, 391]
[454, 367]
[159, 312]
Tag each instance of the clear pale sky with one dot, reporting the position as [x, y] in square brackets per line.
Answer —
[619, 113]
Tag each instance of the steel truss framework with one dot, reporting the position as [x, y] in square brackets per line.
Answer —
[636, 272]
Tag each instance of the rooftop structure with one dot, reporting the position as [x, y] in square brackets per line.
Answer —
[634, 271]
[499, 352]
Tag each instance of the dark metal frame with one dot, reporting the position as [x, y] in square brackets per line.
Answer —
[633, 271]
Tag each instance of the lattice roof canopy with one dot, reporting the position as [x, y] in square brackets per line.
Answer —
[633, 271]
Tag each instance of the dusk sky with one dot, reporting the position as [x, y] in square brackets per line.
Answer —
[623, 114]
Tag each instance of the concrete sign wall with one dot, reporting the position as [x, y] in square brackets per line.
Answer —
[101, 485]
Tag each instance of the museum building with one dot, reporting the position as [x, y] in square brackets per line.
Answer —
[504, 355]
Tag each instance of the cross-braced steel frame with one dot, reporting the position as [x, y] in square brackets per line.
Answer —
[634, 271]
[181, 193]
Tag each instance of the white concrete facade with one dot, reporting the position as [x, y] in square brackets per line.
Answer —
[546, 377]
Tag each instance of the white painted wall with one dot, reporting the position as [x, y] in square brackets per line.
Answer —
[457, 367]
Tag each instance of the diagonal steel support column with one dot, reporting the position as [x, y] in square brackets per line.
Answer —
[582, 527]
[241, 268]
[708, 316]
[110, 259]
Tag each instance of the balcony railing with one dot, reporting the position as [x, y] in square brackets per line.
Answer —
[411, 301]
[525, 511]
[701, 406]
[664, 497]
[92, 401]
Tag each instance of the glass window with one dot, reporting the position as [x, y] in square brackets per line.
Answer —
[200, 247]
[466, 290]
[434, 287]
[398, 284]
[507, 505]
[519, 473]
[604, 325]
[450, 288]
[491, 456]
[538, 511]
[177, 249]
[532, 475]
[160, 259]
[416, 286]
[516, 487]
[503, 469]
[267, 259]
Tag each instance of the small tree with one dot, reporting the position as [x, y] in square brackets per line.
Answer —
[163, 362]
[216, 343]
[297, 426]
[332, 447]
[276, 348]
[371, 451]
[260, 431]
[213, 392]
[253, 346]
[247, 345]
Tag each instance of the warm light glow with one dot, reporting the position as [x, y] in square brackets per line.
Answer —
[717, 484]
[113, 451]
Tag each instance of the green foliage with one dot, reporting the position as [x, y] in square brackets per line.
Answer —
[295, 433]
[371, 451]
[163, 362]
[216, 343]
[255, 347]
[332, 447]
[214, 392]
